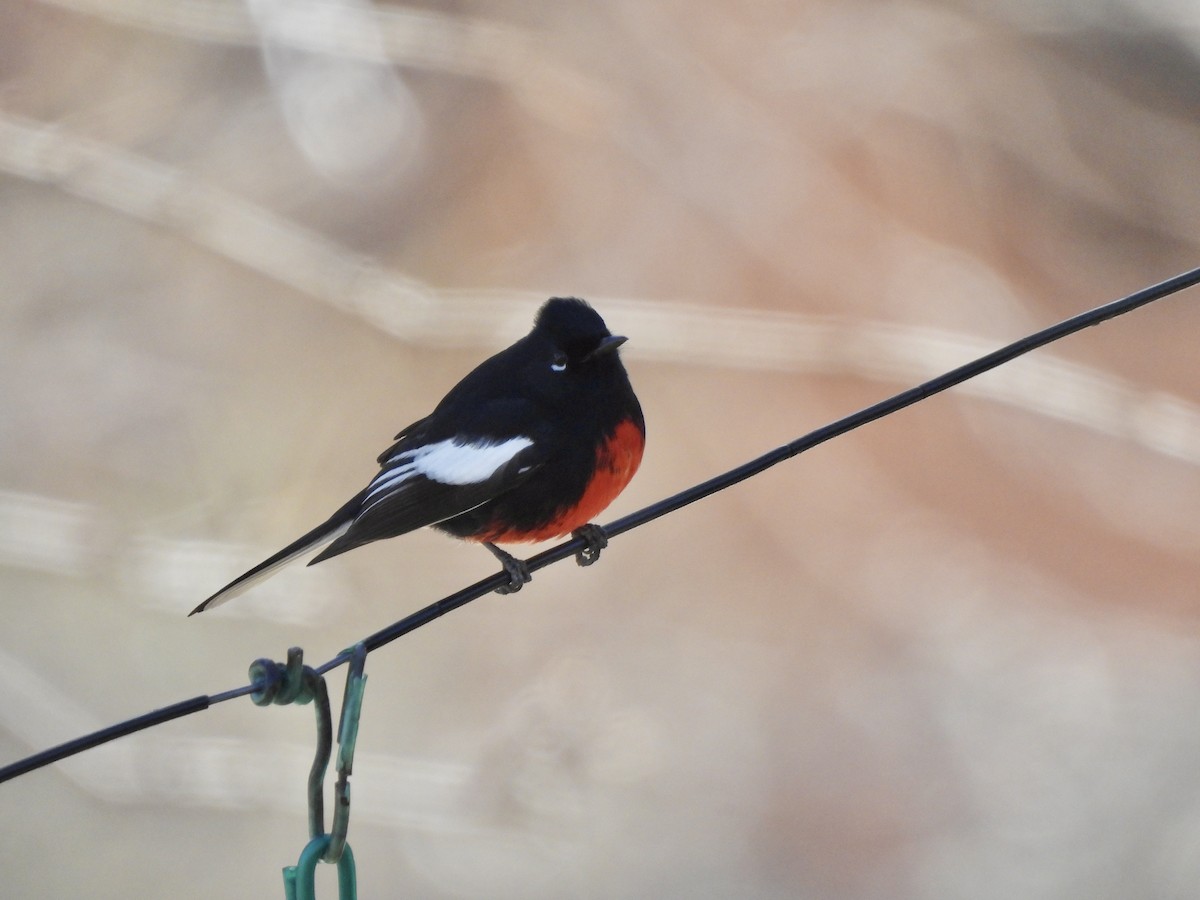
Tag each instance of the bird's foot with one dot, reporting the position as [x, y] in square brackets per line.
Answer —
[518, 571]
[596, 539]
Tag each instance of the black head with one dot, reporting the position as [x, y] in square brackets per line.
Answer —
[575, 329]
[569, 352]
[567, 362]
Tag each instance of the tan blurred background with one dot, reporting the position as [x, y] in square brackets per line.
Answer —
[955, 654]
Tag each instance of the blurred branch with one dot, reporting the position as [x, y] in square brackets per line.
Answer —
[409, 309]
[420, 39]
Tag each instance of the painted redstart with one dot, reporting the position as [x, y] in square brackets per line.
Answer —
[529, 446]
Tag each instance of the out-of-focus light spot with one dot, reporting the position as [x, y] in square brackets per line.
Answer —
[352, 116]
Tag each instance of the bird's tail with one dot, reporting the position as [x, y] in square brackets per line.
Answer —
[333, 527]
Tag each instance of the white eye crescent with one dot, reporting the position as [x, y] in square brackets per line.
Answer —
[560, 363]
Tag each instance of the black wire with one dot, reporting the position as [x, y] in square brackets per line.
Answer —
[104, 735]
[646, 514]
[907, 398]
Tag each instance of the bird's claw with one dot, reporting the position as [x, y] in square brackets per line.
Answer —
[596, 540]
[517, 570]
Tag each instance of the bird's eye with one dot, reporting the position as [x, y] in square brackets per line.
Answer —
[559, 363]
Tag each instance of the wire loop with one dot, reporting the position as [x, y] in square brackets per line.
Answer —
[299, 880]
[283, 683]
[294, 682]
[356, 683]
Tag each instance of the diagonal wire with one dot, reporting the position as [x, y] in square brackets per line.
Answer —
[643, 516]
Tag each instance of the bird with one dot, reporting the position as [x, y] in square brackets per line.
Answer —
[529, 446]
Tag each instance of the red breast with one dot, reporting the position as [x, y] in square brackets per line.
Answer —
[617, 459]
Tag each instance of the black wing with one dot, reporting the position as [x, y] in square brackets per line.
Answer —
[425, 483]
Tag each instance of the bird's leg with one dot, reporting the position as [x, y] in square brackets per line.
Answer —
[596, 539]
[518, 572]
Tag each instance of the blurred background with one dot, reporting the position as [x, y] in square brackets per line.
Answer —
[953, 654]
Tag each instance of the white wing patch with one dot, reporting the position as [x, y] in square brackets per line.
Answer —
[448, 462]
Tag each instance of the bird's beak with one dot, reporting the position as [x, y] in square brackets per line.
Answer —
[607, 346]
